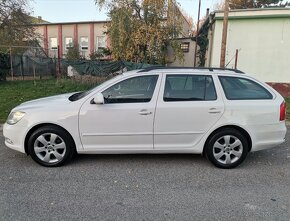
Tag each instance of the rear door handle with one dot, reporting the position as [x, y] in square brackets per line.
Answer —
[214, 111]
[145, 112]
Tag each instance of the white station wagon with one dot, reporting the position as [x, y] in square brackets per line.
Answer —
[220, 113]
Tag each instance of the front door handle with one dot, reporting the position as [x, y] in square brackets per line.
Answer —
[145, 112]
[214, 111]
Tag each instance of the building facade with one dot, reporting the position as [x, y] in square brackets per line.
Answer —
[262, 38]
[187, 46]
[57, 38]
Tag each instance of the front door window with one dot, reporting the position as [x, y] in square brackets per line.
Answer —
[133, 90]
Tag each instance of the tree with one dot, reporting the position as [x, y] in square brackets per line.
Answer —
[241, 4]
[99, 54]
[15, 24]
[73, 53]
[142, 31]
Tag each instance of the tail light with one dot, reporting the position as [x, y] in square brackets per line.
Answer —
[283, 111]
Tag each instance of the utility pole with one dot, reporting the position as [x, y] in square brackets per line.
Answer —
[224, 35]
[196, 35]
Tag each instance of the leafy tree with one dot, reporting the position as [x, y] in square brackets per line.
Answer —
[97, 55]
[241, 4]
[73, 53]
[142, 31]
[15, 24]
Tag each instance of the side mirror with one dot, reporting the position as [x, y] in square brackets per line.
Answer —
[99, 99]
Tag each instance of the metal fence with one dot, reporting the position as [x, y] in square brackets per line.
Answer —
[26, 61]
[32, 62]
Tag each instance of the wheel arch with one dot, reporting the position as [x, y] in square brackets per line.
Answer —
[240, 129]
[34, 128]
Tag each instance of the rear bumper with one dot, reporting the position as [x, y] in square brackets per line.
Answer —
[268, 136]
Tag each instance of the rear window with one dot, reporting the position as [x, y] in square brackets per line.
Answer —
[236, 88]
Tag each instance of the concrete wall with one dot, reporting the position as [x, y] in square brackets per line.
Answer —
[263, 38]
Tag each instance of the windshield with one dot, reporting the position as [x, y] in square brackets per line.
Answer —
[82, 94]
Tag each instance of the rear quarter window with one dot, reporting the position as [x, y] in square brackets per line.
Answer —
[236, 88]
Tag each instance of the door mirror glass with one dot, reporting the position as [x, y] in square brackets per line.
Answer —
[99, 99]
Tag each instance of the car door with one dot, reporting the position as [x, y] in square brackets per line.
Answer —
[125, 120]
[188, 106]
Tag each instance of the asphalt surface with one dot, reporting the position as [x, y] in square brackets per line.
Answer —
[145, 187]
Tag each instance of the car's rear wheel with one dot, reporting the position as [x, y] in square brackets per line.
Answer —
[227, 148]
[51, 146]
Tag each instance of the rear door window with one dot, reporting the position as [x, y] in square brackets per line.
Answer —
[236, 88]
[189, 88]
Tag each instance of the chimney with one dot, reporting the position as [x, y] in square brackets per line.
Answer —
[39, 19]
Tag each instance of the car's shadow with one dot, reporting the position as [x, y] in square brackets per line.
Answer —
[136, 158]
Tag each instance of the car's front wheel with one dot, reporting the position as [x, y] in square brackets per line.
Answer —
[227, 148]
[51, 146]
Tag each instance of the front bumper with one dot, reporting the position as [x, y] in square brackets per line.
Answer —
[14, 136]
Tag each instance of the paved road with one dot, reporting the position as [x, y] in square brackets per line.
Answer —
[145, 187]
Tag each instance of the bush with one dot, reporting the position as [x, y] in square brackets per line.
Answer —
[4, 65]
[3, 74]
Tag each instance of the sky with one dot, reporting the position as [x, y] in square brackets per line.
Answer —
[86, 10]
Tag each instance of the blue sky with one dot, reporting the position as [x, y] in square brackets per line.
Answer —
[85, 10]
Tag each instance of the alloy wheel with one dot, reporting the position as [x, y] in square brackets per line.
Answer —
[228, 149]
[50, 148]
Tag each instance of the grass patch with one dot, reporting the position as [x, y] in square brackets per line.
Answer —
[13, 93]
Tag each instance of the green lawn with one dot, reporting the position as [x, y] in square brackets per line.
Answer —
[13, 93]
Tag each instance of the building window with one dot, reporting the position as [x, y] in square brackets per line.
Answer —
[68, 43]
[185, 47]
[101, 43]
[53, 43]
[84, 43]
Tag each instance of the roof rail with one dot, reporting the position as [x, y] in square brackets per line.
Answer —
[193, 68]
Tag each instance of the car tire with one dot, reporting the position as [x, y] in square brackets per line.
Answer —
[51, 146]
[227, 148]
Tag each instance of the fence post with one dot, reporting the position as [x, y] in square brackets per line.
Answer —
[21, 67]
[58, 61]
[34, 73]
[11, 64]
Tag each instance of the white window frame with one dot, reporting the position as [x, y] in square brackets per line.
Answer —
[98, 47]
[50, 43]
[84, 48]
[66, 45]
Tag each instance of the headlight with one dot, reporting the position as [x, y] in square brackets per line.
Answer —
[14, 117]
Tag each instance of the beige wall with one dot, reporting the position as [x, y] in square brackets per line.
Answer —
[263, 42]
[68, 31]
